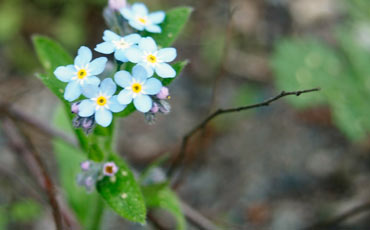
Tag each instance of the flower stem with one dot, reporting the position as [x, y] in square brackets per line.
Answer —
[96, 217]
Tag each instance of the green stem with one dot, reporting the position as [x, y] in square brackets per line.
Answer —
[97, 214]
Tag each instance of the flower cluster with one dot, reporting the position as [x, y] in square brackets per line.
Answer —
[91, 172]
[94, 100]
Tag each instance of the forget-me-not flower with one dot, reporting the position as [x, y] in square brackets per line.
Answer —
[137, 88]
[110, 169]
[101, 102]
[148, 55]
[139, 18]
[83, 71]
[117, 44]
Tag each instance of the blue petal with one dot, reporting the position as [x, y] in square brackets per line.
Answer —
[90, 91]
[98, 65]
[157, 17]
[139, 9]
[153, 28]
[110, 36]
[136, 25]
[123, 78]
[165, 70]
[148, 44]
[105, 48]
[65, 73]
[86, 108]
[124, 97]
[132, 38]
[115, 106]
[134, 54]
[139, 73]
[167, 54]
[120, 55]
[148, 68]
[92, 80]
[143, 103]
[127, 13]
[152, 86]
[84, 56]
[108, 87]
[103, 117]
[73, 91]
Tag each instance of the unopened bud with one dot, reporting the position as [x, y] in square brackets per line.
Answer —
[155, 108]
[74, 107]
[164, 93]
[117, 4]
[164, 107]
[85, 165]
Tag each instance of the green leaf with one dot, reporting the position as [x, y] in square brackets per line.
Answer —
[161, 196]
[52, 55]
[123, 194]
[173, 24]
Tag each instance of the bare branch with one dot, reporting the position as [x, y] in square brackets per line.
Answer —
[34, 123]
[21, 144]
[194, 217]
[339, 219]
[181, 155]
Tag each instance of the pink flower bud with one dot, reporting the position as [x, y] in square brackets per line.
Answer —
[155, 108]
[164, 93]
[89, 182]
[74, 107]
[85, 165]
[117, 4]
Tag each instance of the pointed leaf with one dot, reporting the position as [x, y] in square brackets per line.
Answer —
[160, 196]
[173, 24]
[123, 195]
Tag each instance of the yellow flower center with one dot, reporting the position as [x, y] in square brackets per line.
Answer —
[109, 169]
[143, 20]
[151, 58]
[81, 74]
[136, 87]
[101, 100]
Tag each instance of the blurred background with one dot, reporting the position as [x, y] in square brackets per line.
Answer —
[300, 161]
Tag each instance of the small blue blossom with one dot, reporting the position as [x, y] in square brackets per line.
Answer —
[148, 55]
[83, 71]
[137, 88]
[101, 102]
[139, 18]
[117, 44]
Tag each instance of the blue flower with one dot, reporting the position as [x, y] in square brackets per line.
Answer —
[82, 72]
[139, 18]
[117, 44]
[101, 102]
[148, 55]
[137, 88]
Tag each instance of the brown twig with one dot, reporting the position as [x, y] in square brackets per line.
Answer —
[196, 218]
[42, 127]
[181, 155]
[225, 54]
[335, 221]
[21, 144]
